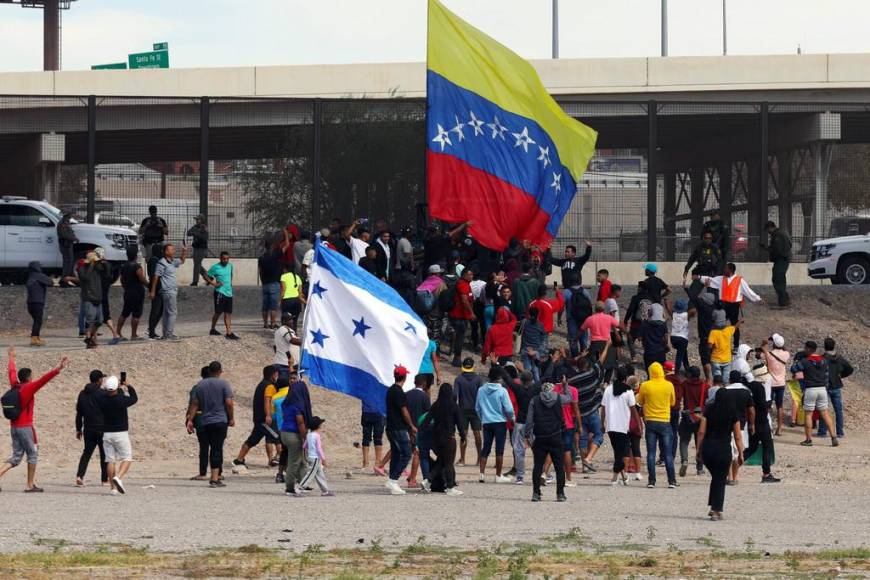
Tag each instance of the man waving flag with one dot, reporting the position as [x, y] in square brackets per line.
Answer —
[501, 152]
[357, 330]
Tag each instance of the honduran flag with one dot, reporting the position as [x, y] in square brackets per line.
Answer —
[501, 152]
[357, 330]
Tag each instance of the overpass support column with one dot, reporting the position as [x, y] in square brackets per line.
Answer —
[759, 172]
[203, 155]
[652, 182]
[698, 177]
[670, 224]
[786, 188]
[90, 202]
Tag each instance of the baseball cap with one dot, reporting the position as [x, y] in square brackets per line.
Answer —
[651, 268]
[96, 375]
[778, 340]
[111, 383]
[669, 365]
[435, 269]
[400, 371]
[468, 364]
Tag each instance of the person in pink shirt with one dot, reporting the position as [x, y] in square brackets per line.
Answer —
[547, 307]
[600, 326]
[313, 447]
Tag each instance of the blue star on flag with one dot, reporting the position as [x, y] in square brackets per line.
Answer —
[318, 337]
[360, 327]
[318, 289]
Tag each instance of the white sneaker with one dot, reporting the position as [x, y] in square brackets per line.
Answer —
[481, 478]
[503, 479]
[453, 491]
[425, 487]
[570, 484]
[637, 477]
[614, 483]
[395, 489]
[519, 481]
[114, 492]
[389, 483]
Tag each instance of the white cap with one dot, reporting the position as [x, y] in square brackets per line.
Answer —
[778, 341]
[111, 383]
[435, 269]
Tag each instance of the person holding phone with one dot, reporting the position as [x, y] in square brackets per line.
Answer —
[116, 429]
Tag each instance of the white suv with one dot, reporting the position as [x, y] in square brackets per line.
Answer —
[844, 260]
[28, 231]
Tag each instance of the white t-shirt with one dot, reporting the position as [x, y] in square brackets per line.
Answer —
[282, 346]
[617, 410]
[680, 325]
[477, 287]
[308, 258]
[611, 307]
[358, 249]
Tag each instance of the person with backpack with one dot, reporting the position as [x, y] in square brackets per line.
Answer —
[838, 369]
[18, 404]
[579, 308]
[89, 427]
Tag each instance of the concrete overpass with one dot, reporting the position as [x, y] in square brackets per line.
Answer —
[722, 131]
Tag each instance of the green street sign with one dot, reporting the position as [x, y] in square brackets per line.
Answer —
[161, 46]
[155, 59]
[111, 65]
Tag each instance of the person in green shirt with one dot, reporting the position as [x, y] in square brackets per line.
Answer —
[221, 277]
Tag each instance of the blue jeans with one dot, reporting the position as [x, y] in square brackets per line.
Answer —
[659, 431]
[721, 369]
[271, 294]
[573, 336]
[400, 448]
[591, 426]
[488, 317]
[531, 365]
[836, 398]
[460, 325]
[424, 445]
[81, 317]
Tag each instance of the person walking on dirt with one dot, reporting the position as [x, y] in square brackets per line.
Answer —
[199, 234]
[213, 398]
[89, 427]
[134, 283]
[262, 419]
[720, 425]
[838, 369]
[543, 429]
[66, 240]
[221, 277]
[113, 404]
[776, 359]
[494, 408]
[465, 389]
[401, 430]
[815, 369]
[18, 405]
[37, 283]
[166, 272]
[779, 252]
[89, 278]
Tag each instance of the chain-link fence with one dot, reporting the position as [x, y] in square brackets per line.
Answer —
[255, 165]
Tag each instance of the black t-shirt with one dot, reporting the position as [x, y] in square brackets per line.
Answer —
[720, 419]
[418, 403]
[152, 229]
[270, 267]
[738, 400]
[130, 279]
[259, 411]
[759, 399]
[396, 400]
[654, 288]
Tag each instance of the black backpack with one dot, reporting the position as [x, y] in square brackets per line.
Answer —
[11, 401]
[447, 298]
[581, 307]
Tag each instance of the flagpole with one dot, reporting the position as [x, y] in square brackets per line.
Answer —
[555, 29]
[426, 122]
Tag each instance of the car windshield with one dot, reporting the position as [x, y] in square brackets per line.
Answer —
[55, 213]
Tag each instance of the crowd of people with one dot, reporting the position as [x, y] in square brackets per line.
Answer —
[630, 376]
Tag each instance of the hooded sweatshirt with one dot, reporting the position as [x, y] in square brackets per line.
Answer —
[656, 395]
[465, 389]
[741, 364]
[500, 336]
[694, 394]
[544, 418]
[37, 282]
[89, 416]
[494, 404]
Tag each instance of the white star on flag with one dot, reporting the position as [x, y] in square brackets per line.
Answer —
[497, 129]
[442, 138]
[458, 128]
[476, 124]
[557, 182]
[523, 139]
[545, 155]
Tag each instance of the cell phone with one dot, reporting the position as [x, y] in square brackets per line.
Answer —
[123, 377]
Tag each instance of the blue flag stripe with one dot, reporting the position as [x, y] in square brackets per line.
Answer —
[350, 273]
[346, 379]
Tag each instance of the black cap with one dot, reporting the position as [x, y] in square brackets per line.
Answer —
[96, 375]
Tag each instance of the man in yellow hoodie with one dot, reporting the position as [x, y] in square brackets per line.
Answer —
[656, 396]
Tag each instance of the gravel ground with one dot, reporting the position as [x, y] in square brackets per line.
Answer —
[179, 514]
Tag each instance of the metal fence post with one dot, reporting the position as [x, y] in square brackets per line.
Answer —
[92, 160]
[315, 159]
[203, 155]
[651, 184]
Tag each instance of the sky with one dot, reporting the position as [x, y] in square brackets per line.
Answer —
[212, 33]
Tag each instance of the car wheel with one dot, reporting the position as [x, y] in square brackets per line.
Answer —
[854, 270]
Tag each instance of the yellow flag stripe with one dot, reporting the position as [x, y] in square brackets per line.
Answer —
[472, 60]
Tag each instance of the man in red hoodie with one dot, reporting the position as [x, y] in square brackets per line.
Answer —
[499, 342]
[23, 434]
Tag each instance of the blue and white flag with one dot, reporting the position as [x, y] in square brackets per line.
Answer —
[357, 330]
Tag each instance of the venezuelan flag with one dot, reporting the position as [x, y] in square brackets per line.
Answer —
[501, 152]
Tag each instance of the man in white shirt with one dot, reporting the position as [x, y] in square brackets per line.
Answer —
[359, 244]
[732, 290]
[286, 346]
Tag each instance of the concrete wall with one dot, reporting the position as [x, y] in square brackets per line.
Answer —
[809, 75]
[623, 273]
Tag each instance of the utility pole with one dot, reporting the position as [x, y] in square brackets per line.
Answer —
[664, 27]
[555, 28]
[724, 30]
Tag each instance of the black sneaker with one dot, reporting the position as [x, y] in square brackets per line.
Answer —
[213, 332]
[239, 462]
[561, 498]
[279, 478]
[232, 336]
[807, 443]
[536, 497]
[835, 442]
[673, 485]
[769, 478]
[216, 484]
